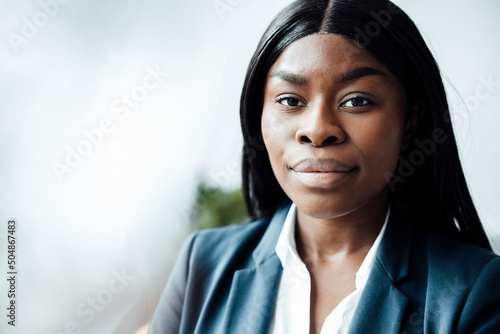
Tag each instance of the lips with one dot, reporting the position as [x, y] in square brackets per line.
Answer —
[322, 173]
[322, 166]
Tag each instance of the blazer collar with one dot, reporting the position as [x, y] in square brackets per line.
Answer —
[253, 291]
[382, 304]
[266, 247]
[394, 251]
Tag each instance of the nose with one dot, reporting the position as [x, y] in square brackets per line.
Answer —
[320, 127]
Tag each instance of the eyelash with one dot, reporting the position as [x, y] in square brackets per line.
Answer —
[366, 101]
[356, 97]
[280, 99]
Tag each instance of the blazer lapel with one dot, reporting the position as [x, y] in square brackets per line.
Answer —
[251, 300]
[253, 290]
[382, 305]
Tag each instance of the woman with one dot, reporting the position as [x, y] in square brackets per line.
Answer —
[363, 222]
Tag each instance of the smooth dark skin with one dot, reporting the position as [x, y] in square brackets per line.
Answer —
[338, 223]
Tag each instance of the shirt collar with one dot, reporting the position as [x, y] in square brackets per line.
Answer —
[286, 248]
[286, 243]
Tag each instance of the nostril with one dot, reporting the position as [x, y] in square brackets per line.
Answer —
[327, 141]
[330, 140]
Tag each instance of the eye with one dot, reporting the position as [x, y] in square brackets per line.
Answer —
[289, 101]
[356, 101]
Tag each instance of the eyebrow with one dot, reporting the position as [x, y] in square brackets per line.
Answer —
[356, 74]
[341, 78]
[290, 77]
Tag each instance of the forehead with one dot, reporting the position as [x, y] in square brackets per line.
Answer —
[325, 53]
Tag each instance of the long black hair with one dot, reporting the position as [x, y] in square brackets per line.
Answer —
[429, 179]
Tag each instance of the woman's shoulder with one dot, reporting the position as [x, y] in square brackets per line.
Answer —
[231, 234]
[447, 250]
[222, 246]
[452, 261]
[462, 283]
[435, 250]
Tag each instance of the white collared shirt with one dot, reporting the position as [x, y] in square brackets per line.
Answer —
[292, 310]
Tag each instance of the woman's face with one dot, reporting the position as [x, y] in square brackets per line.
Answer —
[333, 123]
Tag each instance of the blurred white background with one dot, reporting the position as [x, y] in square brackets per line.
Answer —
[155, 86]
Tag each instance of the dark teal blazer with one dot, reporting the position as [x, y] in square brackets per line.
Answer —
[226, 281]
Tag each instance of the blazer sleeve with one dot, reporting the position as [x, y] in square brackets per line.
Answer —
[481, 312]
[168, 313]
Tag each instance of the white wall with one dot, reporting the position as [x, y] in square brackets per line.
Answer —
[121, 210]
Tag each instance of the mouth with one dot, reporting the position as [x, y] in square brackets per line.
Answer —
[322, 173]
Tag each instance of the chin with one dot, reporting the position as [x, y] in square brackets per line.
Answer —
[320, 207]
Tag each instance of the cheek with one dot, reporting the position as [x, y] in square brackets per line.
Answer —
[271, 123]
[270, 135]
[275, 134]
[380, 142]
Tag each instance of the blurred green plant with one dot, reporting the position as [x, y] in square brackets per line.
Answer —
[216, 207]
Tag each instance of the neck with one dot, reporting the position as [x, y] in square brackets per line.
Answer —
[346, 235]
